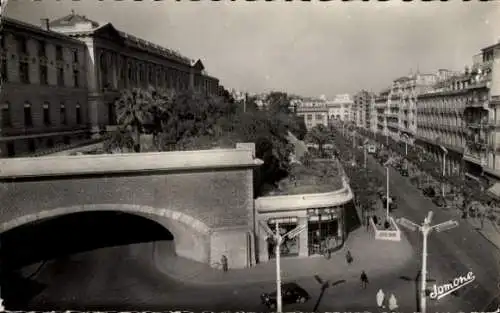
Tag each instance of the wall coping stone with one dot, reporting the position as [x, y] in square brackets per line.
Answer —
[127, 163]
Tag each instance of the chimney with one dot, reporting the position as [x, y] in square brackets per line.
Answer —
[45, 23]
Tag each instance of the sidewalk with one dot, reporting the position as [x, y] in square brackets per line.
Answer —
[375, 257]
[490, 231]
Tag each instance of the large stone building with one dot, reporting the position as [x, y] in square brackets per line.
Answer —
[61, 80]
[44, 89]
[314, 111]
[462, 114]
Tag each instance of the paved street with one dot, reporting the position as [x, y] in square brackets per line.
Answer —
[451, 253]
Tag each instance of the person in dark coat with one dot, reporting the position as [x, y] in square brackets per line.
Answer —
[223, 261]
[348, 257]
[364, 279]
[375, 219]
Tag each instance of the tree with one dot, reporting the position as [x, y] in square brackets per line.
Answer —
[319, 135]
[278, 102]
[133, 109]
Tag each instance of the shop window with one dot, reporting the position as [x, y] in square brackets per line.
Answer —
[11, 149]
[289, 247]
[323, 230]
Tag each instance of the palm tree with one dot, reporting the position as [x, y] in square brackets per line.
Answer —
[320, 135]
[133, 109]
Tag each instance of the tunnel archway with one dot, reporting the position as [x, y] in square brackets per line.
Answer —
[191, 236]
[39, 249]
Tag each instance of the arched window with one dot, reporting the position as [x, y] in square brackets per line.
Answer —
[6, 119]
[46, 114]
[78, 114]
[62, 112]
[28, 118]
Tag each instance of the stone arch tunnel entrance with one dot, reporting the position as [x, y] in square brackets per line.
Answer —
[39, 255]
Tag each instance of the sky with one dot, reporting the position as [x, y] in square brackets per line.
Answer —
[304, 48]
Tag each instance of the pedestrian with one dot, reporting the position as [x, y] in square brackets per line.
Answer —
[375, 219]
[223, 261]
[348, 257]
[393, 303]
[380, 298]
[364, 279]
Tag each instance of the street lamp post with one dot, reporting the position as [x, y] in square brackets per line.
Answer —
[426, 229]
[278, 240]
[386, 165]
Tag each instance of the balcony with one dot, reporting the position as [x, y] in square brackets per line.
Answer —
[478, 125]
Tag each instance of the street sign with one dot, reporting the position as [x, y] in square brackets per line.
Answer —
[407, 224]
[295, 232]
[445, 226]
[266, 228]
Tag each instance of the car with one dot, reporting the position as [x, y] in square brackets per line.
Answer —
[290, 293]
[371, 149]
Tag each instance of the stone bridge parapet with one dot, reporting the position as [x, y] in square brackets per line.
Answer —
[200, 196]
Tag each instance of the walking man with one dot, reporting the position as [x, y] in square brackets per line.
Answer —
[364, 279]
[348, 257]
[223, 261]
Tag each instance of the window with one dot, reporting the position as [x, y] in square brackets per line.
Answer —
[59, 53]
[6, 121]
[3, 71]
[22, 46]
[75, 56]
[62, 112]
[11, 151]
[309, 117]
[46, 114]
[78, 114]
[24, 72]
[319, 116]
[28, 119]
[41, 49]
[76, 78]
[31, 145]
[60, 76]
[44, 80]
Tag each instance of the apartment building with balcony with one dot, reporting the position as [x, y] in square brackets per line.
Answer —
[462, 113]
[44, 89]
[381, 108]
[364, 102]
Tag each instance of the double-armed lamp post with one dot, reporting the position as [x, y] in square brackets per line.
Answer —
[278, 240]
[426, 228]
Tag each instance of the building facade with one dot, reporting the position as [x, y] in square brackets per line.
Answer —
[117, 60]
[364, 101]
[314, 112]
[60, 80]
[341, 108]
[44, 94]
[462, 114]
[381, 107]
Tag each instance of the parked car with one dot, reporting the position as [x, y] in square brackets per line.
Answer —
[290, 293]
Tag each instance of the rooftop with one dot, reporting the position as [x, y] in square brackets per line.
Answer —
[320, 176]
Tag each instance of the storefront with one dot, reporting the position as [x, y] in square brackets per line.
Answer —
[321, 215]
[324, 229]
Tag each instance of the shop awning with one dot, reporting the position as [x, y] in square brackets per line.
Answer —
[495, 190]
